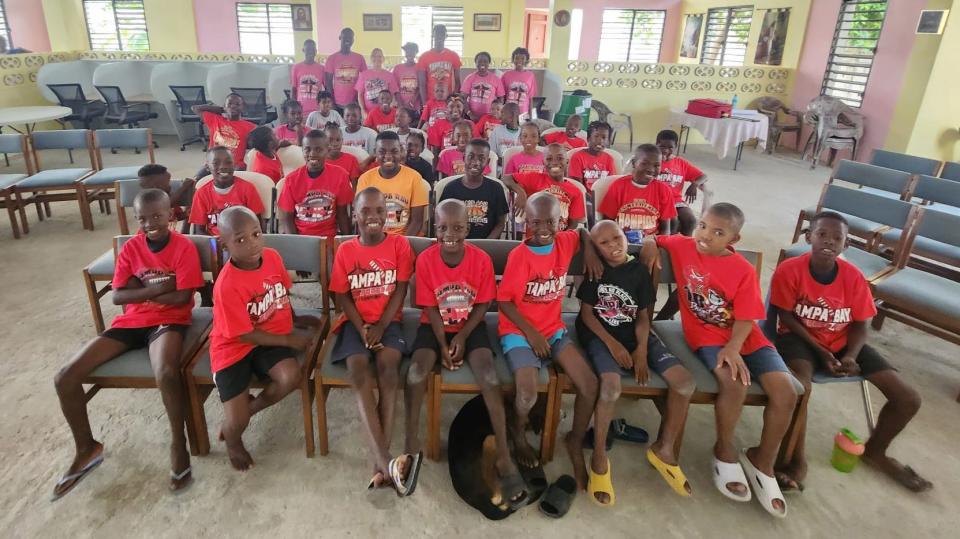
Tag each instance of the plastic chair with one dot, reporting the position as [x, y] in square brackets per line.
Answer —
[84, 110]
[600, 189]
[255, 107]
[780, 120]
[187, 97]
[100, 186]
[835, 125]
[291, 158]
[617, 121]
[359, 153]
[121, 112]
[55, 185]
[14, 144]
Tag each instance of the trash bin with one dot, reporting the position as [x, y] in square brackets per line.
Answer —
[575, 102]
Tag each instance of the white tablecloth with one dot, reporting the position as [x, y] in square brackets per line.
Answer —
[724, 134]
[31, 115]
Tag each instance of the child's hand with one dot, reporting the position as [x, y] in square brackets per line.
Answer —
[641, 372]
[620, 355]
[445, 358]
[298, 341]
[592, 265]
[519, 203]
[372, 334]
[830, 362]
[650, 255]
[738, 368]
[849, 366]
[458, 347]
[539, 344]
[691, 195]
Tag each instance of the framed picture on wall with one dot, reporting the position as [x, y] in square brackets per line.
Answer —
[302, 21]
[773, 36]
[377, 22]
[932, 21]
[691, 36]
[487, 22]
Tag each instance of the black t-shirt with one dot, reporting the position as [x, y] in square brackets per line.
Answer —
[618, 298]
[485, 205]
[422, 166]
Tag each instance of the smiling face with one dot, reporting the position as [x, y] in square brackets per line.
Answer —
[314, 153]
[597, 140]
[389, 155]
[452, 226]
[154, 218]
[610, 242]
[351, 117]
[714, 233]
[555, 162]
[346, 40]
[243, 239]
[646, 167]
[414, 147]
[370, 214]
[542, 218]
[667, 147]
[334, 140]
[454, 110]
[386, 101]
[827, 238]
[529, 137]
[220, 163]
[461, 136]
[234, 107]
[475, 160]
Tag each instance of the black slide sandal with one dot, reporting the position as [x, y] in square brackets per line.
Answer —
[558, 498]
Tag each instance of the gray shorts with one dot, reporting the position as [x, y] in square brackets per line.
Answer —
[350, 342]
[659, 359]
[759, 362]
[519, 353]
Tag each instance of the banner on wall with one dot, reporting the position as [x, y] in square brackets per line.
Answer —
[773, 37]
[691, 36]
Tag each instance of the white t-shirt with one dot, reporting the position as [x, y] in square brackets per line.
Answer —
[502, 138]
[316, 121]
[365, 138]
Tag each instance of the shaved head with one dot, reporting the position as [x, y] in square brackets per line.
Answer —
[371, 193]
[148, 196]
[543, 204]
[451, 207]
[233, 217]
[605, 224]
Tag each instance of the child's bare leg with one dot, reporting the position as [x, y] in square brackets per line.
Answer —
[727, 411]
[284, 379]
[421, 365]
[796, 469]
[680, 387]
[585, 382]
[236, 417]
[388, 380]
[781, 402]
[165, 353]
[606, 404]
[687, 220]
[670, 308]
[481, 363]
[526, 379]
[363, 384]
[902, 404]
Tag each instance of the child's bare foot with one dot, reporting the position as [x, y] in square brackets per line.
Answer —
[82, 463]
[575, 451]
[180, 464]
[900, 473]
[489, 471]
[522, 450]
[220, 433]
[791, 476]
[664, 453]
[239, 458]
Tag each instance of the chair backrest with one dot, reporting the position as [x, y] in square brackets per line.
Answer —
[580, 134]
[951, 171]
[65, 139]
[665, 275]
[939, 226]
[356, 151]
[187, 97]
[905, 163]
[937, 190]
[882, 210]
[299, 253]
[125, 191]
[141, 137]
[15, 143]
[114, 99]
[206, 247]
[583, 193]
[600, 189]
[263, 183]
[427, 156]
[68, 94]
[254, 101]
[877, 177]
[769, 105]
[291, 158]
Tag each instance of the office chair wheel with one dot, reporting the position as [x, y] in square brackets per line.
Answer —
[183, 148]
[113, 151]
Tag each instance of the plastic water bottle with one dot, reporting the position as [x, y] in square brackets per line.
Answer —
[634, 237]
[733, 102]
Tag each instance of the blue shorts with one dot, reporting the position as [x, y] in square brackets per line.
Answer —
[659, 359]
[759, 362]
[520, 354]
[350, 342]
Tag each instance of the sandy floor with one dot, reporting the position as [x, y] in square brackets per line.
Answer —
[45, 319]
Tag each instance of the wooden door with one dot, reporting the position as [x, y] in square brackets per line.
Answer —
[535, 33]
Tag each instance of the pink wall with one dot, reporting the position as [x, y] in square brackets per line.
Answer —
[593, 17]
[28, 28]
[328, 24]
[889, 65]
[217, 25]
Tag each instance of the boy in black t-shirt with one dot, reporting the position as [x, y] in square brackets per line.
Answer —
[614, 329]
[486, 203]
[415, 144]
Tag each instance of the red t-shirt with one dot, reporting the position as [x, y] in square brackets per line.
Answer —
[485, 126]
[571, 198]
[589, 168]
[454, 291]
[440, 134]
[714, 292]
[825, 310]
[536, 284]
[244, 301]
[232, 134]
[440, 68]
[380, 122]
[408, 82]
[314, 201]
[268, 166]
[177, 260]
[348, 162]
[560, 137]
[675, 171]
[434, 110]
[371, 274]
[208, 203]
[638, 208]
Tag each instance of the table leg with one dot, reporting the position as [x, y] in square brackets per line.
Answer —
[739, 153]
[682, 129]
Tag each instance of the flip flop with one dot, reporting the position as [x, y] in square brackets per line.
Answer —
[601, 483]
[788, 485]
[730, 472]
[75, 478]
[671, 473]
[589, 436]
[175, 478]
[559, 496]
[536, 482]
[405, 487]
[765, 487]
[623, 431]
[513, 491]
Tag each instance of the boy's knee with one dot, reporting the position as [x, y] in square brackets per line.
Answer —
[909, 399]
[683, 384]
[782, 393]
[486, 377]
[288, 377]
[526, 398]
[358, 374]
[417, 374]
[609, 389]
[166, 374]
[388, 377]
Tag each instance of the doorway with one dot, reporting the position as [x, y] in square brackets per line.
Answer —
[535, 27]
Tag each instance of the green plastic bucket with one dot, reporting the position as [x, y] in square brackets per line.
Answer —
[847, 448]
[573, 105]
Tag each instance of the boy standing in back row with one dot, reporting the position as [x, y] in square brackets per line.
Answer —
[307, 78]
[343, 69]
[226, 127]
[438, 66]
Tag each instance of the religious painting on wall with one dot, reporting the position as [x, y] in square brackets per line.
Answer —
[773, 37]
[691, 36]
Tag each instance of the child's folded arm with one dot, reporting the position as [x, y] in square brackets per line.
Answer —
[176, 297]
[537, 341]
[135, 292]
[258, 337]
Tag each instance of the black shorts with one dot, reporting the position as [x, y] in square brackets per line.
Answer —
[477, 338]
[136, 338]
[792, 347]
[235, 379]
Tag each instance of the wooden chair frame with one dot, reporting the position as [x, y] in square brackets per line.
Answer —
[55, 193]
[10, 201]
[103, 194]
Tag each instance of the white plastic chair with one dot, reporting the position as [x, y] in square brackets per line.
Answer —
[600, 189]
[359, 153]
[291, 158]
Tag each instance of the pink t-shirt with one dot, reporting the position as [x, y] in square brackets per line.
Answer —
[346, 69]
[451, 163]
[521, 162]
[307, 80]
[409, 85]
[520, 88]
[372, 82]
[285, 133]
[481, 91]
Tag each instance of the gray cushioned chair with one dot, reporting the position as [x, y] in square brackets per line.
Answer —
[907, 163]
[56, 184]
[99, 186]
[13, 144]
[951, 171]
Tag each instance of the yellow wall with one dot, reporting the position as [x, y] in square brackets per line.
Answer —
[170, 24]
[65, 25]
[936, 129]
[800, 10]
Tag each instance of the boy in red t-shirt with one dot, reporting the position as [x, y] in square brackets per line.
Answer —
[226, 127]
[589, 165]
[638, 203]
[435, 108]
[339, 158]
[224, 191]
[440, 134]
[315, 197]
[675, 171]
[370, 278]
[156, 275]
[721, 303]
[823, 304]
[252, 332]
[531, 329]
[572, 207]
[384, 116]
[489, 121]
[568, 137]
[154, 176]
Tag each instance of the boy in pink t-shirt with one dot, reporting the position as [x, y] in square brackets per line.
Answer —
[531, 158]
[520, 85]
[373, 81]
[307, 78]
[481, 87]
[343, 69]
[408, 80]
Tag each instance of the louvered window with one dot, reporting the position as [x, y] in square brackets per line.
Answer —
[116, 25]
[725, 40]
[631, 35]
[417, 24]
[265, 28]
[854, 47]
[4, 29]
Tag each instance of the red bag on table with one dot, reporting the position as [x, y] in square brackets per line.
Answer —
[709, 108]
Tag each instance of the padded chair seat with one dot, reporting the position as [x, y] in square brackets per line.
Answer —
[136, 363]
[880, 193]
[103, 265]
[338, 371]
[626, 380]
[671, 333]
[54, 178]
[868, 263]
[464, 375]
[109, 175]
[919, 292]
[925, 247]
[820, 377]
[6, 180]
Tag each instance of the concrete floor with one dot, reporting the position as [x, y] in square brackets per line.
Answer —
[45, 319]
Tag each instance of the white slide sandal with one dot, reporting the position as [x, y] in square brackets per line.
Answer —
[765, 486]
[730, 472]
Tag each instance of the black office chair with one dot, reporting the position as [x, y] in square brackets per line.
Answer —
[84, 111]
[123, 113]
[255, 107]
[187, 97]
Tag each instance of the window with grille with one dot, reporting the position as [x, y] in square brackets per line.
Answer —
[265, 28]
[116, 25]
[631, 35]
[725, 40]
[4, 29]
[418, 22]
[854, 47]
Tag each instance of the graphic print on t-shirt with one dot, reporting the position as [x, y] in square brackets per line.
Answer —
[372, 89]
[154, 276]
[379, 279]
[308, 88]
[263, 306]
[455, 301]
[517, 93]
[316, 207]
[565, 201]
[477, 211]
[480, 91]
[638, 215]
[396, 210]
[440, 72]
[822, 313]
[545, 289]
[614, 305]
[225, 136]
[706, 303]
[346, 75]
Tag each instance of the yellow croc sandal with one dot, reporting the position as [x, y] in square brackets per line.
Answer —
[671, 473]
[601, 483]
